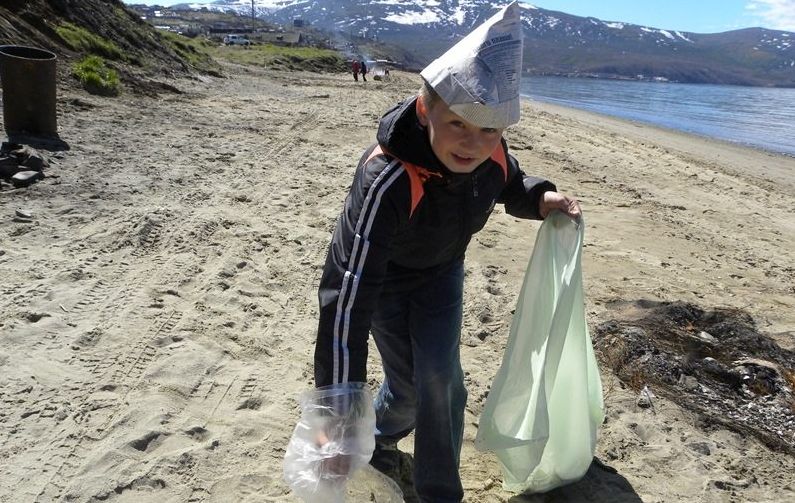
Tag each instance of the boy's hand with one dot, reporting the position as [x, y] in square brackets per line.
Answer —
[557, 201]
[339, 465]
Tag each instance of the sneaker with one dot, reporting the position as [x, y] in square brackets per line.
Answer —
[386, 459]
[396, 465]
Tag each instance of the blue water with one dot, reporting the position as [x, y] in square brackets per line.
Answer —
[755, 116]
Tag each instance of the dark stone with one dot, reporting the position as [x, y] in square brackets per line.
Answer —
[25, 178]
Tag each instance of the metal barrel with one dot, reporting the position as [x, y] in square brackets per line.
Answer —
[28, 79]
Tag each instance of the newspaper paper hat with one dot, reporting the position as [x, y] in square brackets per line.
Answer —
[478, 77]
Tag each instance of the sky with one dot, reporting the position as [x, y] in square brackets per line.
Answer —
[697, 16]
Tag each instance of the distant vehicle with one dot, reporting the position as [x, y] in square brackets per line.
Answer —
[236, 40]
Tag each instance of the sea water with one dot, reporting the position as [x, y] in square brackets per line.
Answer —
[756, 116]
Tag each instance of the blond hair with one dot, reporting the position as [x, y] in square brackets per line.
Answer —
[429, 95]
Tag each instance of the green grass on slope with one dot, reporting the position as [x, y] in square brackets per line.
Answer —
[96, 77]
[282, 58]
[80, 39]
[196, 51]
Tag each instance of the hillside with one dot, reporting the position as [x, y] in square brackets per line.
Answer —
[213, 20]
[556, 43]
[72, 29]
[145, 57]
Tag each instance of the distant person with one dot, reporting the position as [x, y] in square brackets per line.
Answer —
[355, 67]
[395, 265]
[364, 71]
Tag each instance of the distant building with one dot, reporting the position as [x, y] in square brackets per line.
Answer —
[222, 27]
[287, 38]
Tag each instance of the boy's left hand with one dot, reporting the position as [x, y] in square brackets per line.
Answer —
[557, 201]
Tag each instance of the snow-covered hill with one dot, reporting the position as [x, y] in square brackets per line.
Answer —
[555, 42]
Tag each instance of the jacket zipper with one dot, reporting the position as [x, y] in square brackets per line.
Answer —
[474, 185]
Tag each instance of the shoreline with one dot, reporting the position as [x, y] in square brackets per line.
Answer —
[740, 158]
[619, 113]
[737, 143]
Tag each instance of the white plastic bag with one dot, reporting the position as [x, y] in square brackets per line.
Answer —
[334, 438]
[545, 404]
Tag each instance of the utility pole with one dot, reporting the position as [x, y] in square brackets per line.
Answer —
[253, 16]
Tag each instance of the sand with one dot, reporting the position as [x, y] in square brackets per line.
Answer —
[157, 314]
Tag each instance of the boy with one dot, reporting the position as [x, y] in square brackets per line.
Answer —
[395, 266]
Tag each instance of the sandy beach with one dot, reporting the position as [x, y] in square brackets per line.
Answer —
[158, 309]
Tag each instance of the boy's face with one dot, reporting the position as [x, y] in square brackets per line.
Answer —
[460, 145]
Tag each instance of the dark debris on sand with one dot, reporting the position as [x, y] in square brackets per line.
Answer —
[713, 362]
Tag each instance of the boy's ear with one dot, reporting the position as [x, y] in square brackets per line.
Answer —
[422, 111]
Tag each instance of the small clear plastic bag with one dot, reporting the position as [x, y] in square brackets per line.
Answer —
[371, 486]
[334, 438]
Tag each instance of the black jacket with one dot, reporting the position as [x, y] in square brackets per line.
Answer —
[406, 217]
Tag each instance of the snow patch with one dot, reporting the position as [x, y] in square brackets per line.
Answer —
[265, 4]
[679, 34]
[459, 15]
[617, 26]
[664, 33]
[424, 17]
